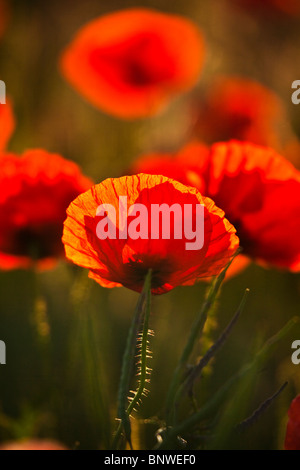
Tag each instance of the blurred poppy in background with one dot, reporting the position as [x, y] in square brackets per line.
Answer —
[257, 188]
[7, 124]
[126, 260]
[239, 108]
[130, 63]
[292, 437]
[36, 189]
[187, 166]
[33, 444]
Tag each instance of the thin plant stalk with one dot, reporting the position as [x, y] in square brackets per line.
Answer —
[220, 395]
[142, 312]
[195, 333]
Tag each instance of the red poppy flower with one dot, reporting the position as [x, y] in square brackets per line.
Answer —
[187, 166]
[258, 190]
[131, 63]
[33, 444]
[242, 109]
[7, 124]
[292, 437]
[36, 189]
[124, 258]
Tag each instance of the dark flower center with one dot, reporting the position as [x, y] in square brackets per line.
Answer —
[35, 242]
[135, 272]
[140, 61]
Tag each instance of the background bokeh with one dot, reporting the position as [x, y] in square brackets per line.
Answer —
[65, 334]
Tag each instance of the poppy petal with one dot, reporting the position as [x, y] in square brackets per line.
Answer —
[266, 203]
[257, 188]
[124, 259]
[7, 124]
[236, 107]
[36, 189]
[292, 437]
[130, 63]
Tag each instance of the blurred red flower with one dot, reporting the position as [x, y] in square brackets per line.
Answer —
[7, 124]
[292, 437]
[33, 444]
[240, 108]
[115, 262]
[130, 63]
[257, 188]
[36, 190]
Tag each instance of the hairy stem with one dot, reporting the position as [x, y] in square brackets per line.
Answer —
[129, 363]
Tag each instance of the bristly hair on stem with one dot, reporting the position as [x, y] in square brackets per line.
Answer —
[144, 371]
[141, 317]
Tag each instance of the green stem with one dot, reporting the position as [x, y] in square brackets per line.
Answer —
[195, 332]
[220, 395]
[144, 371]
[128, 363]
[188, 384]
